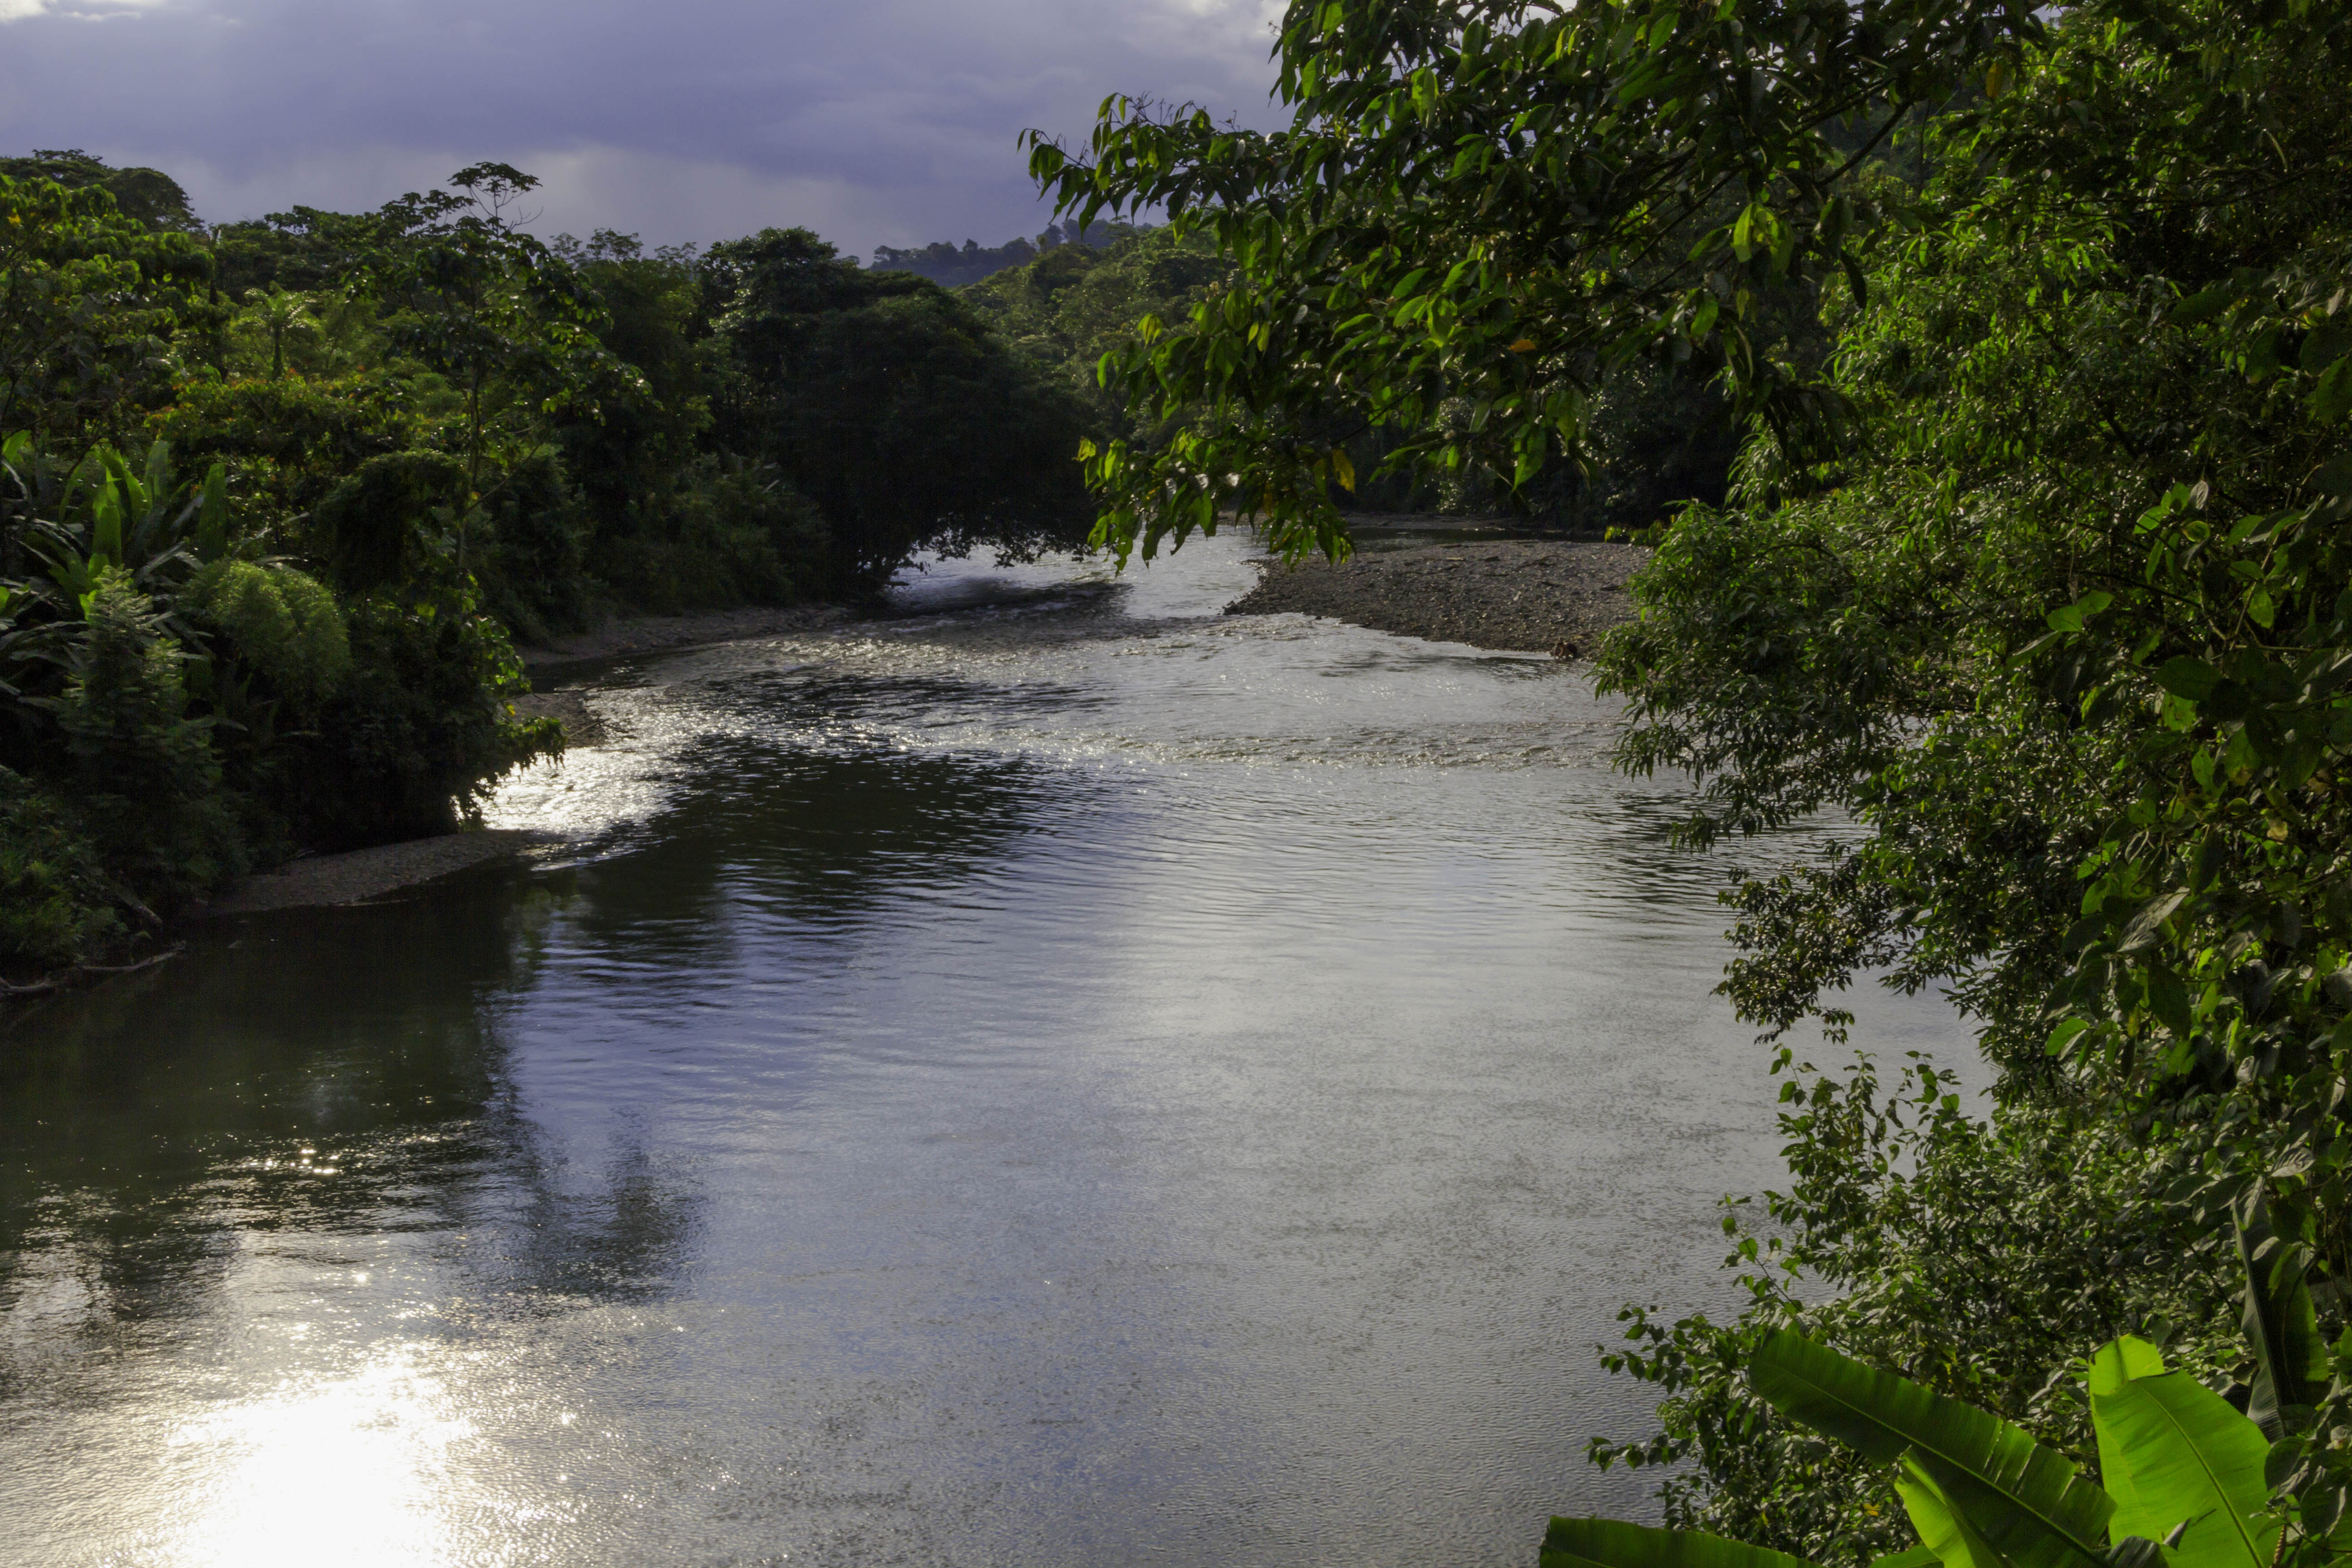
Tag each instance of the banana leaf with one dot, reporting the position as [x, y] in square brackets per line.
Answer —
[212, 519]
[1612, 1543]
[1918, 1557]
[2044, 1510]
[2290, 1358]
[2020, 1536]
[1956, 1542]
[2114, 1364]
[2174, 1451]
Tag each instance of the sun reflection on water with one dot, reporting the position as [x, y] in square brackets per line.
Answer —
[359, 1471]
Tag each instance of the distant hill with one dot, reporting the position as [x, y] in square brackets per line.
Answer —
[947, 265]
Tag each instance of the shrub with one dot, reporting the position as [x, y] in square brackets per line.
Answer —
[416, 737]
[55, 907]
[281, 623]
[147, 781]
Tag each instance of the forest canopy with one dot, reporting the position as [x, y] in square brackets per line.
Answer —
[278, 497]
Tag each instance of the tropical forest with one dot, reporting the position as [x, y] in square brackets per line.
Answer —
[1954, 395]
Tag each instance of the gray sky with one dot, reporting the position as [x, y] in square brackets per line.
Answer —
[872, 122]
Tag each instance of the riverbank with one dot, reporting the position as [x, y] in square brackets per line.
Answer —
[657, 634]
[1528, 594]
[356, 875]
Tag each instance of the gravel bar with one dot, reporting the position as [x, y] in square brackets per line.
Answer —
[1538, 596]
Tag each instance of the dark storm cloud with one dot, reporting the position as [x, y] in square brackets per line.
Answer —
[886, 122]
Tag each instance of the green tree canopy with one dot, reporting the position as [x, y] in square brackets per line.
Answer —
[890, 402]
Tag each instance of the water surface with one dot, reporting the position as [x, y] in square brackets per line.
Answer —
[1058, 1077]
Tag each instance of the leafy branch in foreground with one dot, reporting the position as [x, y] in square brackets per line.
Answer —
[1493, 207]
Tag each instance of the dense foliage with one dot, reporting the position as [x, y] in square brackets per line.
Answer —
[278, 496]
[2040, 328]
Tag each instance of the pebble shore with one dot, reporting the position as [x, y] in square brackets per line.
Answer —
[1537, 595]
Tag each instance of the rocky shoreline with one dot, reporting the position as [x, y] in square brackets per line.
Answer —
[1535, 595]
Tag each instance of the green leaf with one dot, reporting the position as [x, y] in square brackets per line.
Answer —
[1918, 1557]
[2168, 998]
[2173, 1451]
[2290, 1358]
[2014, 1533]
[1946, 1531]
[2192, 679]
[2116, 1363]
[2206, 304]
[212, 517]
[1884, 1416]
[1612, 1543]
[106, 523]
[2333, 395]
[2150, 920]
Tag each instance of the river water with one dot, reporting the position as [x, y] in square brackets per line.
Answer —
[1056, 1077]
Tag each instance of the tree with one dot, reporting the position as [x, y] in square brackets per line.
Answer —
[144, 196]
[495, 311]
[889, 404]
[1495, 206]
[91, 304]
[280, 315]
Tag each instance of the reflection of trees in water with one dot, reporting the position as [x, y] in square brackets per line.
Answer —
[818, 840]
[153, 1125]
[144, 1153]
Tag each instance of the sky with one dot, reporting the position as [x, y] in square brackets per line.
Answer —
[872, 122]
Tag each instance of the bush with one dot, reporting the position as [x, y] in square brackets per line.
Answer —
[55, 906]
[526, 548]
[419, 732]
[383, 523]
[283, 624]
[731, 533]
[147, 783]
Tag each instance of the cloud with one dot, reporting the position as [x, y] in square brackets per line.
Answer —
[886, 121]
[87, 10]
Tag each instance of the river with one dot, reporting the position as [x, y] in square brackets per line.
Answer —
[1057, 1077]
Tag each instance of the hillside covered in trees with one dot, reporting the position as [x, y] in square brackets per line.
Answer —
[276, 498]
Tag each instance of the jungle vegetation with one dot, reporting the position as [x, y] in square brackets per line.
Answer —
[2035, 331]
[278, 496]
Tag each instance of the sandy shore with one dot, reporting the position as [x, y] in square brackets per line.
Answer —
[651, 634]
[358, 875]
[1535, 594]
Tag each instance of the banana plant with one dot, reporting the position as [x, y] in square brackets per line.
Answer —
[69, 523]
[2182, 1479]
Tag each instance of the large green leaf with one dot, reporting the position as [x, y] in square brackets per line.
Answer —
[2174, 1452]
[2116, 1363]
[1918, 1557]
[2021, 1536]
[1885, 1416]
[1612, 1543]
[1938, 1517]
[2290, 1357]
